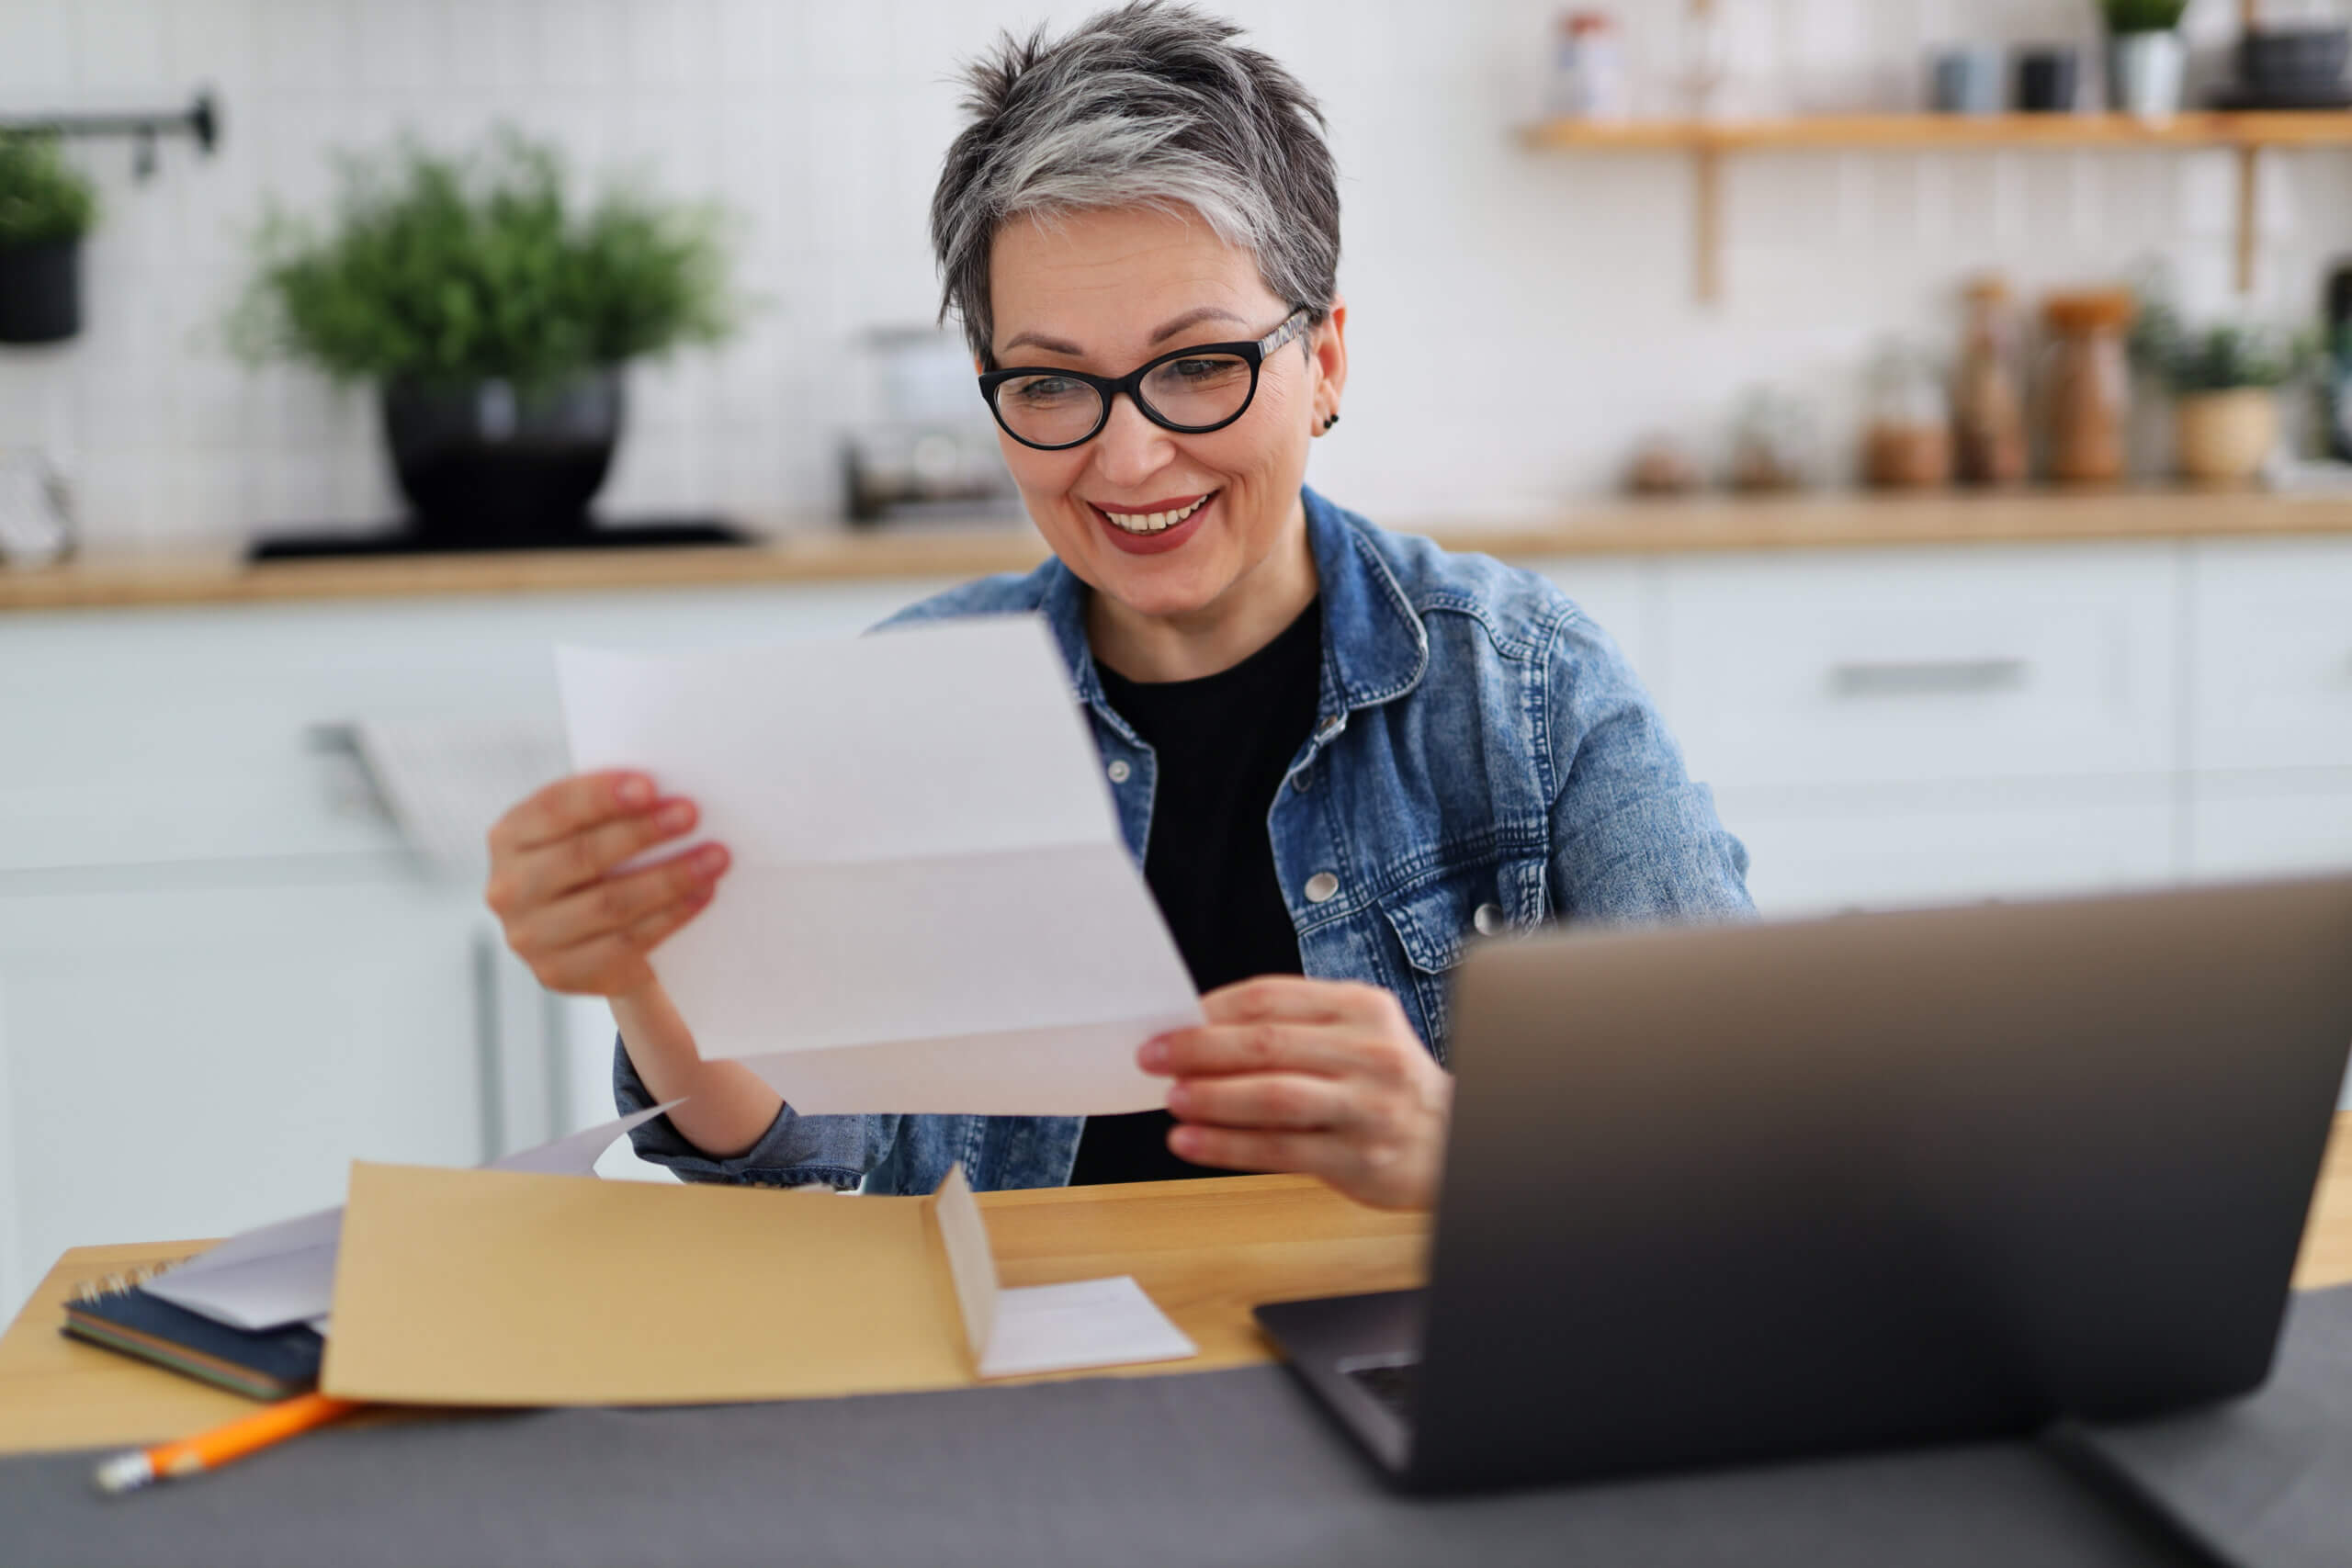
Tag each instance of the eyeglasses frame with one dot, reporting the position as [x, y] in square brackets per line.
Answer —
[1108, 387]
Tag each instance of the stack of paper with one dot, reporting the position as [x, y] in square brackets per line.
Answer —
[931, 907]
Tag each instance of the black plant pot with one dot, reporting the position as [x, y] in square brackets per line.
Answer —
[40, 291]
[488, 463]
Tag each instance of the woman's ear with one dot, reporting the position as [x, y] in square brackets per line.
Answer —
[1328, 353]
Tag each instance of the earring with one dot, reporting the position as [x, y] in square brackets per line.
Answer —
[1328, 425]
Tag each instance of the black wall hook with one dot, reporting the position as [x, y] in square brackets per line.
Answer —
[200, 122]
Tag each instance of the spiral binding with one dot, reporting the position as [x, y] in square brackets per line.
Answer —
[123, 1280]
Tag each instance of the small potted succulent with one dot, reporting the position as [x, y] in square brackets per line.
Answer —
[45, 208]
[2224, 381]
[494, 318]
[2146, 57]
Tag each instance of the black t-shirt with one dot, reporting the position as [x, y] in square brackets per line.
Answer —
[1224, 744]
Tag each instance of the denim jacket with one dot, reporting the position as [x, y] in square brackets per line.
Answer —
[1482, 760]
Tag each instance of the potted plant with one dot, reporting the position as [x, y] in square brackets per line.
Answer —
[2225, 381]
[2146, 56]
[45, 208]
[493, 318]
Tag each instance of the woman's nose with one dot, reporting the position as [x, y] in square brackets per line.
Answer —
[1131, 448]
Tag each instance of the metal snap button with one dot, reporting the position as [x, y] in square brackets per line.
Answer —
[1321, 887]
[1305, 781]
[1119, 770]
[1488, 920]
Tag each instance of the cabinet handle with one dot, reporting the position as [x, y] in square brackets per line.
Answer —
[490, 1051]
[1927, 677]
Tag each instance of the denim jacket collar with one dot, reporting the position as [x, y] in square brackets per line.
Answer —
[1375, 647]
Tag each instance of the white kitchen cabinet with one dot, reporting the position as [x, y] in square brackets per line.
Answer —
[189, 1061]
[2253, 827]
[1922, 666]
[1876, 853]
[2272, 624]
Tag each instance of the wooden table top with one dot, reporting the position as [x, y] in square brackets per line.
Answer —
[1812, 521]
[1205, 1251]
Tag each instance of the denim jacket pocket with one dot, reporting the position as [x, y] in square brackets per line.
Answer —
[1435, 921]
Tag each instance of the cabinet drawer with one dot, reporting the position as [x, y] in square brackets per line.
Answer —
[2274, 655]
[1893, 856]
[1898, 666]
[2271, 833]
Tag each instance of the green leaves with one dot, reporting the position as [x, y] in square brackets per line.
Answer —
[42, 198]
[2218, 358]
[2143, 16]
[444, 269]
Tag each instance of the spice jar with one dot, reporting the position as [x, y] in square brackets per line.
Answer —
[1587, 68]
[2086, 396]
[1988, 408]
[1909, 445]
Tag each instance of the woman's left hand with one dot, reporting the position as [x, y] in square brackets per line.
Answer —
[1325, 1077]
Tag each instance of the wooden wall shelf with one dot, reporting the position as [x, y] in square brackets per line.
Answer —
[1936, 132]
[1706, 142]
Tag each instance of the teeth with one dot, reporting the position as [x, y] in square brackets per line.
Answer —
[1154, 522]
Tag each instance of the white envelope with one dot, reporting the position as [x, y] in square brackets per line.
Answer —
[931, 907]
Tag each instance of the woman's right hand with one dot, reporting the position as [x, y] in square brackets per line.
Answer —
[581, 929]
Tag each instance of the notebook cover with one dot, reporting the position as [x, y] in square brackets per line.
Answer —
[271, 1364]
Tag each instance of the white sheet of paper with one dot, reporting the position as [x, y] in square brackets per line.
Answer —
[930, 908]
[282, 1273]
[1044, 1329]
[1089, 1323]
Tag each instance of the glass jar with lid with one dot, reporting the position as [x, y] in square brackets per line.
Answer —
[2085, 403]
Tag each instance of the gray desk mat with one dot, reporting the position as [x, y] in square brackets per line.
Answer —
[1220, 1468]
[2265, 1482]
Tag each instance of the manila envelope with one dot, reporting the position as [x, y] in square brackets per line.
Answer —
[479, 1287]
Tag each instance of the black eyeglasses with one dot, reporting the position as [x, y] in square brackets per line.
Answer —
[1191, 391]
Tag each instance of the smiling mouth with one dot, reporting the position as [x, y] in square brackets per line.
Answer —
[1148, 522]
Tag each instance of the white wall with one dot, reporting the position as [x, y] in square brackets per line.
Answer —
[1520, 319]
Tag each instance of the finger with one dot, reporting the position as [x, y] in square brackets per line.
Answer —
[616, 903]
[1217, 1050]
[567, 805]
[1305, 1154]
[1299, 999]
[615, 961]
[536, 876]
[1266, 1101]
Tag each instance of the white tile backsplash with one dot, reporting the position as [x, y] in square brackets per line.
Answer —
[1518, 320]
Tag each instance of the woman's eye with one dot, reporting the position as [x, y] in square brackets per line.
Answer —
[1212, 370]
[1044, 390]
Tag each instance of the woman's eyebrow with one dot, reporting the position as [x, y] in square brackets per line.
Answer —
[1192, 317]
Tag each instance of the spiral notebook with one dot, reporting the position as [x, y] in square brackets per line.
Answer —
[120, 1313]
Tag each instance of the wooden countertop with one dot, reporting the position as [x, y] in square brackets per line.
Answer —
[1829, 521]
[1207, 1251]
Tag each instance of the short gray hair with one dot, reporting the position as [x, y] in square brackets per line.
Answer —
[1148, 105]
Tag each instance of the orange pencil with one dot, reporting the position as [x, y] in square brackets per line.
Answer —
[210, 1451]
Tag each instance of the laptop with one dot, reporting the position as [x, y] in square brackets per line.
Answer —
[1747, 1193]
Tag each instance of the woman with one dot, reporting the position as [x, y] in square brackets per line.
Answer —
[1337, 752]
